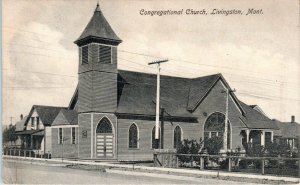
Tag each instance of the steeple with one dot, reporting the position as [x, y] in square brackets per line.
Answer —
[98, 30]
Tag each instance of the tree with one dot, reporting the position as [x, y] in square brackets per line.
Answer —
[9, 134]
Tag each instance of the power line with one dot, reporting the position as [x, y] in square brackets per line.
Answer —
[45, 73]
[187, 61]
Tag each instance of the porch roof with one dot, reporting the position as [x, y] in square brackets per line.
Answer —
[40, 133]
[27, 132]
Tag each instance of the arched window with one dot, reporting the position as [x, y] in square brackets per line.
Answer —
[104, 126]
[155, 142]
[177, 136]
[133, 136]
[215, 127]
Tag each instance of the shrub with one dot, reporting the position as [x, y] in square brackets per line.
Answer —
[189, 147]
[213, 145]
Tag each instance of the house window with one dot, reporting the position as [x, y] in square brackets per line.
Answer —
[32, 121]
[37, 122]
[85, 55]
[60, 136]
[73, 135]
[268, 138]
[155, 142]
[133, 136]
[177, 136]
[105, 54]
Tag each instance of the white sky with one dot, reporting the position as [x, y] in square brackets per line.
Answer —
[258, 55]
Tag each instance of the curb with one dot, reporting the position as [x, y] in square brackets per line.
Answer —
[176, 172]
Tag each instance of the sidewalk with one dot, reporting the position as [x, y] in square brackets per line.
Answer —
[173, 171]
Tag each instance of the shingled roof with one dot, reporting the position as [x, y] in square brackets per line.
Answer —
[20, 125]
[98, 27]
[289, 130]
[179, 96]
[47, 114]
[66, 117]
[137, 94]
[254, 119]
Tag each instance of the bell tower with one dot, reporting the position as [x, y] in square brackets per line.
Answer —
[97, 71]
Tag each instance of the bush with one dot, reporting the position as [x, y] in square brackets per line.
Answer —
[189, 147]
[213, 145]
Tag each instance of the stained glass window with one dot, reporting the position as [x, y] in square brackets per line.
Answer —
[133, 136]
[177, 136]
[104, 126]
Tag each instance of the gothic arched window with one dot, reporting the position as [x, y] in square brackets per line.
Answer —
[133, 136]
[177, 136]
[104, 126]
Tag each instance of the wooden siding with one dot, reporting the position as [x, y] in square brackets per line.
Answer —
[84, 123]
[85, 143]
[69, 150]
[216, 102]
[97, 92]
[94, 63]
[104, 95]
[97, 84]
[48, 139]
[145, 151]
[85, 92]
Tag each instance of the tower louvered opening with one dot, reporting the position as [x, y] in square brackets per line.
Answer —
[85, 55]
[105, 54]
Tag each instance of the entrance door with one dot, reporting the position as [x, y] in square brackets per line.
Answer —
[104, 139]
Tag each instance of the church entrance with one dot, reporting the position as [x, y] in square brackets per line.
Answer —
[104, 139]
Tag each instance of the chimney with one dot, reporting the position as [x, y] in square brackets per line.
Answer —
[293, 119]
[21, 116]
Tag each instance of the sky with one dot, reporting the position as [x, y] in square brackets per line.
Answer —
[257, 54]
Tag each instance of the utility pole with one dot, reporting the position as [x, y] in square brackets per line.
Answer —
[157, 96]
[227, 91]
[11, 119]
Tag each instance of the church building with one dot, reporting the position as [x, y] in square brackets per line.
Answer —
[112, 112]
[111, 115]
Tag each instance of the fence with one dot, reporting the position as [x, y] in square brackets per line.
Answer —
[26, 153]
[282, 166]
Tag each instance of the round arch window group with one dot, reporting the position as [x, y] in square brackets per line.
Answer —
[215, 127]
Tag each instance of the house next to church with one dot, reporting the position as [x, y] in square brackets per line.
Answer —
[112, 112]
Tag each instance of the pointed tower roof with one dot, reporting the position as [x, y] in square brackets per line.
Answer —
[98, 29]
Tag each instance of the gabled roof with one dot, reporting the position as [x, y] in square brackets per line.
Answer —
[74, 99]
[66, 117]
[179, 96]
[46, 114]
[199, 87]
[254, 119]
[20, 125]
[71, 116]
[289, 130]
[98, 27]
[257, 108]
[137, 94]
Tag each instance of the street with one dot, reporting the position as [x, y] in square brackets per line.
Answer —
[40, 174]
